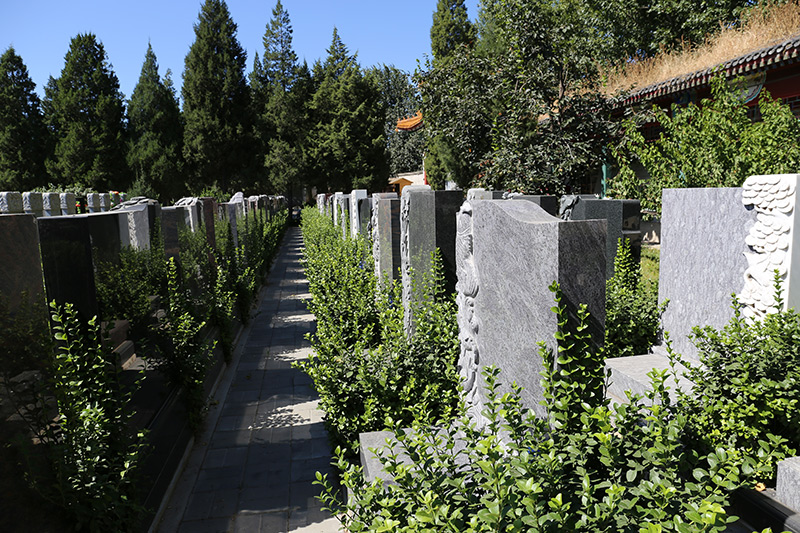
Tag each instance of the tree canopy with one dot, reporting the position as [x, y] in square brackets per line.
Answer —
[347, 144]
[23, 135]
[216, 99]
[156, 134]
[84, 110]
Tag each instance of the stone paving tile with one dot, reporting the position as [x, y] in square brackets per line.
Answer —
[255, 470]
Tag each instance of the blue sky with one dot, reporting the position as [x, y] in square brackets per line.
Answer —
[381, 31]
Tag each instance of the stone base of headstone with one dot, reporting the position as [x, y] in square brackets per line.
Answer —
[630, 374]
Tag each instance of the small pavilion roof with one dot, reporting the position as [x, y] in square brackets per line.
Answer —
[410, 123]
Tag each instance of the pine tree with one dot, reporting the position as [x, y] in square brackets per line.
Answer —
[451, 28]
[23, 135]
[85, 111]
[283, 116]
[216, 104]
[348, 144]
[156, 134]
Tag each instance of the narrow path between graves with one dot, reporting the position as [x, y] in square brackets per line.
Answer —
[252, 469]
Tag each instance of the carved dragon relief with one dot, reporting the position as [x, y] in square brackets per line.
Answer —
[468, 322]
[773, 198]
[376, 239]
[405, 263]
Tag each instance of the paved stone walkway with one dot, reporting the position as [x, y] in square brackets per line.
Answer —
[252, 470]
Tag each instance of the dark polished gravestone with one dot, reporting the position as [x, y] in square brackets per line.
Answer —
[623, 218]
[364, 215]
[508, 255]
[386, 235]
[105, 235]
[20, 262]
[209, 213]
[67, 262]
[173, 220]
[545, 201]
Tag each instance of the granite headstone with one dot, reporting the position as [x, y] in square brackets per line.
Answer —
[386, 235]
[32, 203]
[51, 204]
[508, 254]
[622, 217]
[703, 233]
[67, 262]
[10, 203]
[20, 262]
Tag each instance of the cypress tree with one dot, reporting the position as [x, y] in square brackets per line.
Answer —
[451, 28]
[85, 111]
[283, 115]
[348, 143]
[216, 104]
[23, 135]
[156, 134]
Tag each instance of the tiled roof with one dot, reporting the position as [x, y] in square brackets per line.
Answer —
[768, 58]
[410, 123]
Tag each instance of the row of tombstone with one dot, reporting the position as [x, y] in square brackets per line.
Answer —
[501, 256]
[500, 253]
[41, 204]
[54, 256]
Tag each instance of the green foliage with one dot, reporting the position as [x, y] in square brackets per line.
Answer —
[590, 466]
[281, 95]
[367, 372]
[23, 135]
[401, 99]
[187, 356]
[524, 112]
[347, 140]
[633, 314]
[637, 28]
[216, 103]
[124, 288]
[714, 144]
[156, 133]
[745, 395]
[85, 113]
[93, 456]
[451, 28]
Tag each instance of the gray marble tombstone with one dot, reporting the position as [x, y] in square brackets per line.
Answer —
[105, 201]
[173, 220]
[32, 203]
[153, 212]
[703, 233]
[508, 254]
[51, 204]
[138, 227]
[427, 222]
[67, 201]
[10, 203]
[386, 235]
[623, 219]
[192, 212]
[321, 203]
[20, 262]
[67, 263]
[93, 202]
[356, 195]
